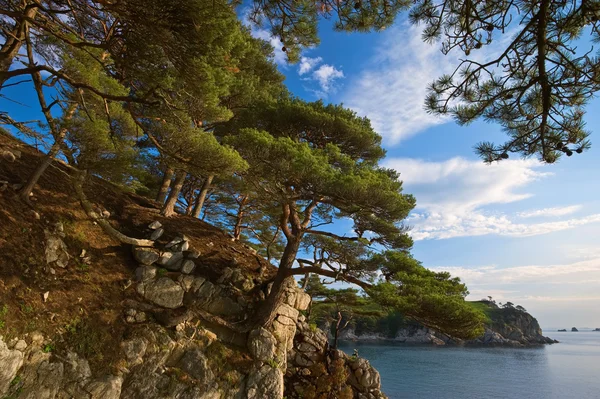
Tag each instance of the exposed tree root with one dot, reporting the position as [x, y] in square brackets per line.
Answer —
[108, 229]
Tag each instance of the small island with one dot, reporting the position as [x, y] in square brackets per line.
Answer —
[563, 330]
[574, 329]
[597, 329]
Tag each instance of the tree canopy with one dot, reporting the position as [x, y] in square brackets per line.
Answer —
[180, 99]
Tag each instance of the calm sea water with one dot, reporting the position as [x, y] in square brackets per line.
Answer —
[570, 369]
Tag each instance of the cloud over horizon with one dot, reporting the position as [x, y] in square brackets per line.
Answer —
[454, 197]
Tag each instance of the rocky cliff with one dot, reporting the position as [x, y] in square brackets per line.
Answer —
[84, 316]
[505, 327]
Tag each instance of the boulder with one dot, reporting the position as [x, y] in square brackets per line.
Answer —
[11, 361]
[195, 363]
[302, 301]
[188, 266]
[265, 382]
[156, 234]
[56, 249]
[108, 387]
[174, 262]
[155, 225]
[262, 345]
[164, 292]
[145, 273]
[145, 256]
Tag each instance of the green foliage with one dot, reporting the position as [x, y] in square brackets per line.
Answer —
[47, 348]
[3, 313]
[161, 272]
[536, 88]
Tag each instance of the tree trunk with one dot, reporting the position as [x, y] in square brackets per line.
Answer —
[202, 196]
[14, 40]
[164, 187]
[337, 330]
[266, 312]
[237, 229]
[25, 192]
[59, 136]
[169, 207]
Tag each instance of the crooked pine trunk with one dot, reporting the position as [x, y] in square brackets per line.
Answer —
[169, 207]
[202, 196]
[337, 331]
[13, 43]
[27, 189]
[25, 192]
[266, 313]
[165, 185]
[237, 230]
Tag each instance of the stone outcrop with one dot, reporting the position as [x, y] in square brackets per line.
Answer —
[314, 368]
[507, 327]
[188, 357]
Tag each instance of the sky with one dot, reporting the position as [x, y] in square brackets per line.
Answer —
[518, 230]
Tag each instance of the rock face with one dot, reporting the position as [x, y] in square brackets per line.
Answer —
[507, 327]
[188, 357]
[574, 329]
[164, 292]
[56, 249]
[314, 369]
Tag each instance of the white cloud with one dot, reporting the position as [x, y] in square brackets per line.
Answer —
[452, 197]
[326, 75]
[558, 211]
[557, 294]
[391, 89]
[307, 64]
[279, 56]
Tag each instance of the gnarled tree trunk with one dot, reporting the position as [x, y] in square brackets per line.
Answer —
[266, 312]
[169, 207]
[14, 41]
[202, 196]
[237, 229]
[164, 187]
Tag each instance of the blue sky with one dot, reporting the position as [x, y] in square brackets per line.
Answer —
[519, 231]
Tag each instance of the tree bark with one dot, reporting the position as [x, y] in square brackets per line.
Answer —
[58, 136]
[266, 312]
[237, 229]
[27, 189]
[337, 330]
[202, 196]
[164, 187]
[14, 41]
[169, 207]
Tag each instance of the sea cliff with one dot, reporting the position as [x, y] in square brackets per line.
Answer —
[506, 326]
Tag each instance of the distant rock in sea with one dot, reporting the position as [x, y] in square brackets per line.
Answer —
[563, 330]
[574, 329]
[597, 329]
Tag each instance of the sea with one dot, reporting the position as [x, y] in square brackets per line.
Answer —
[569, 369]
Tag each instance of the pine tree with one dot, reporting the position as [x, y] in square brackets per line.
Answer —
[317, 164]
